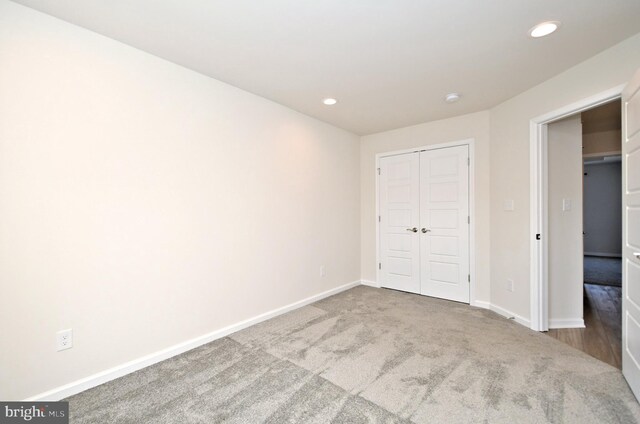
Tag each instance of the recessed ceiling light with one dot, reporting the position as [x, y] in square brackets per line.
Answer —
[452, 97]
[544, 28]
[329, 101]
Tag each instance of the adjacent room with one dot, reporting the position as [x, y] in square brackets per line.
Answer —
[585, 227]
[319, 212]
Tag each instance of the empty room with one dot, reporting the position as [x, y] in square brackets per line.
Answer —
[319, 212]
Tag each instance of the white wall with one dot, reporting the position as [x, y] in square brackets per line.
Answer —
[143, 204]
[510, 235]
[474, 126]
[133, 190]
[603, 209]
[565, 224]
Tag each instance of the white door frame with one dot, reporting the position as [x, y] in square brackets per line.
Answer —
[539, 249]
[472, 226]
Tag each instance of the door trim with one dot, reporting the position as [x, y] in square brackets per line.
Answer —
[538, 191]
[470, 142]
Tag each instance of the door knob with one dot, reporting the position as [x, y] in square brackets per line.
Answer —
[636, 254]
[414, 229]
[424, 230]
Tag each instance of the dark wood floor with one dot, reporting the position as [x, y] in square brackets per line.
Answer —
[602, 337]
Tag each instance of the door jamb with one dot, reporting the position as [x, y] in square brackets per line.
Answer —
[470, 142]
[539, 249]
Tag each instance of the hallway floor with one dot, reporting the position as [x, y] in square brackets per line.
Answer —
[603, 320]
[605, 271]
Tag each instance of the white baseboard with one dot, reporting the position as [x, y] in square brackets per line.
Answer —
[370, 283]
[604, 254]
[566, 323]
[553, 323]
[153, 358]
[501, 311]
[481, 304]
[510, 315]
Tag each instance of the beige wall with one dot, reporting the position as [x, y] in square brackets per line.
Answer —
[602, 142]
[510, 235]
[565, 226]
[474, 126]
[143, 204]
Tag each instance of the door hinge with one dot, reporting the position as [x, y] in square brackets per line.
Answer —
[468, 219]
[469, 277]
[468, 161]
[379, 265]
[378, 171]
[379, 218]
[537, 236]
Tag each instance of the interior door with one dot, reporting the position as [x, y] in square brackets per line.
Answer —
[631, 234]
[444, 218]
[399, 182]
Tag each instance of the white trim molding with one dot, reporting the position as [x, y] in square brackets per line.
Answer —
[482, 304]
[370, 283]
[566, 323]
[503, 312]
[539, 249]
[153, 358]
[510, 315]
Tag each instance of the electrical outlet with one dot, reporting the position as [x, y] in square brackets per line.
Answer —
[510, 285]
[323, 272]
[64, 339]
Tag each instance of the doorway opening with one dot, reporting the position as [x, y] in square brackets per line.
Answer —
[584, 216]
[539, 254]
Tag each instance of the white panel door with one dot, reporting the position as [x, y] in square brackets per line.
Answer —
[631, 234]
[399, 220]
[444, 225]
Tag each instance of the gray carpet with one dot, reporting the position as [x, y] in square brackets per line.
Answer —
[603, 271]
[371, 356]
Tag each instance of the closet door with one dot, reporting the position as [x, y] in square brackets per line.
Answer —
[631, 234]
[444, 225]
[399, 220]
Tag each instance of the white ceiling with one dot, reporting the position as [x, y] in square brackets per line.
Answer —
[388, 62]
